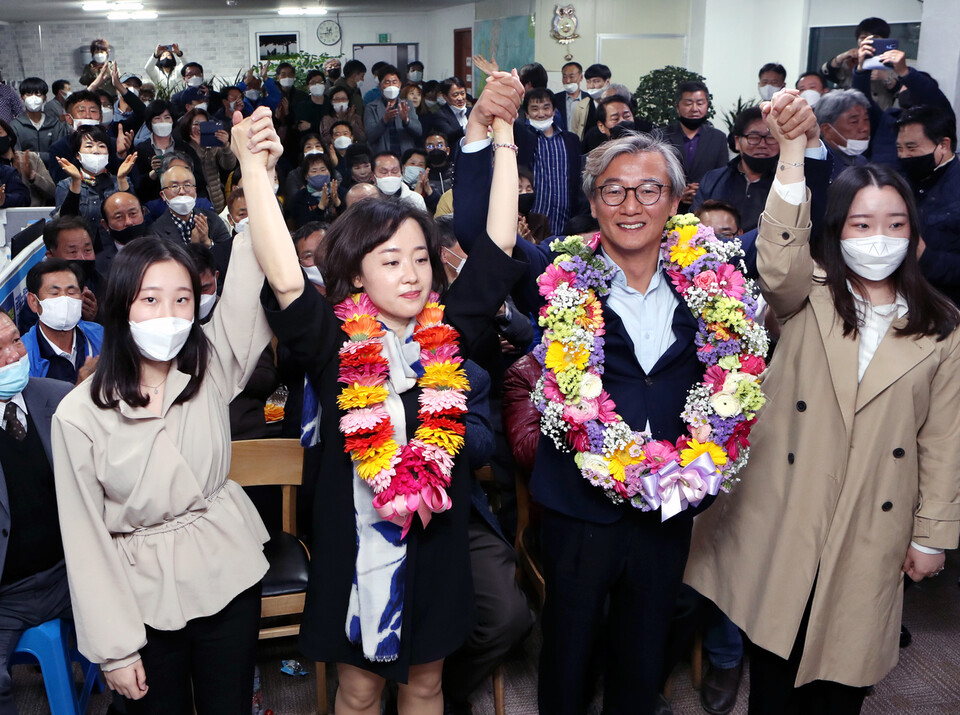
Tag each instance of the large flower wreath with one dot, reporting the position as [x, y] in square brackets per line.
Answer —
[579, 416]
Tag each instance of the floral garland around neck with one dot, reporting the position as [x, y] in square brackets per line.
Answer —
[579, 415]
[413, 479]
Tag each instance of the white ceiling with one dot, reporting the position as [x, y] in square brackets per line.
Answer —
[70, 10]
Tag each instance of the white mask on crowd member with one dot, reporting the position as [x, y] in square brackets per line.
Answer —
[315, 150]
[241, 225]
[767, 91]
[340, 107]
[33, 103]
[195, 81]
[415, 76]
[316, 90]
[93, 163]
[391, 92]
[99, 57]
[812, 96]
[161, 338]
[252, 94]
[14, 377]
[571, 87]
[314, 275]
[202, 106]
[84, 123]
[874, 257]
[61, 313]
[389, 185]
[411, 174]
[287, 82]
[342, 142]
[541, 125]
[431, 103]
[182, 205]
[106, 118]
[854, 147]
[207, 301]
[162, 129]
[136, 92]
[441, 100]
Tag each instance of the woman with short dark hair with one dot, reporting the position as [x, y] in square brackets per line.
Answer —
[163, 552]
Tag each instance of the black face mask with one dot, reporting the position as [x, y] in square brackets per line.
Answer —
[167, 63]
[436, 158]
[4, 145]
[622, 129]
[88, 268]
[525, 202]
[692, 123]
[760, 165]
[124, 236]
[334, 73]
[904, 99]
[917, 168]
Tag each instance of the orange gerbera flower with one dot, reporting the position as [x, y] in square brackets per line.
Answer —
[432, 314]
[432, 337]
[362, 327]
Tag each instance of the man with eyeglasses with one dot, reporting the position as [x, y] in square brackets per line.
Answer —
[746, 179]
[182, 221]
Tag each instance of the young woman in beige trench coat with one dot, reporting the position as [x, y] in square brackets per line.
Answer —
[856, 457]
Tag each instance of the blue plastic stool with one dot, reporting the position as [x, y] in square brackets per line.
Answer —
[49, 643]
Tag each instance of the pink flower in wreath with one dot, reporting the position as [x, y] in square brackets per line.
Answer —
[553, 277]
[578, 438]
[606, 409]
[731, 281]
[707, 280]
[753, 364]
[550, 388]
[680, 281]
[715, 376]
[658, 453]
[581, 412]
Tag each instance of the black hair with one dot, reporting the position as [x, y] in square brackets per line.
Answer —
[385, 70]
[436, 133]
[448, 236]
[354, 67]
[598, 71]
[607, 101]
[117, 377]
[315, 73]
[225, 91]
[357, 154]
[202, 258]
[83, 95]
[872, 26]
[183, 70]
[377, 65]
[363, 227]
[410, 152]
[688, 87]
[94, 131]
[9, 132]
[533, 74]
[53, 228]
[186, 123]
[373, 162]
[101, 95]
[572, 64]
[156, 108]
[415, 63]
[747, 117]
[33, 85]
[235, 195]
[284, 66]
[431, 85]
[342, 123]
[525, 173]
[307, 136]
[823, 83]
[337, 88]
[50, 265]
[59, 85]
[928, 311]
[774, 67]
[310, 159]
[310, 227]
[718, 205]
[935, 122]
[449, 83]
[537, 94]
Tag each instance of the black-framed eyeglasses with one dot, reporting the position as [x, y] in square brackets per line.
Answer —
[754, 139]
[178, 188]
[646, 194]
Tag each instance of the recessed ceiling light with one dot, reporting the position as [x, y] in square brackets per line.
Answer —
[302, 11]
[139, 15]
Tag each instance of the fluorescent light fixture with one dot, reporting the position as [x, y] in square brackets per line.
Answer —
[101, 6]
[139, 15]
[302, 11]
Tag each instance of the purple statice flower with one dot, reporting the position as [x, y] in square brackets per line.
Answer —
[710, 262]
[596, 356]
[727, 347]
[723, 427]
[595, 434]
[749, 305]
[540, 353]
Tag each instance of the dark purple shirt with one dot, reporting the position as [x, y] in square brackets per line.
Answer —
[690, 147]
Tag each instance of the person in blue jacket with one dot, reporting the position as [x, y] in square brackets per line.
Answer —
[61, 346]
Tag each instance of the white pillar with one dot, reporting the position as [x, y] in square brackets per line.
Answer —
[939, 50]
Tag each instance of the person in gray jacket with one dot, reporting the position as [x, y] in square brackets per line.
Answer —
[391, 123]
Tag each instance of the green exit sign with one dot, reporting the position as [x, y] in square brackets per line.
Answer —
[383, 37]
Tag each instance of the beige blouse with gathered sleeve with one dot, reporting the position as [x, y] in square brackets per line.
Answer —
[153, 531]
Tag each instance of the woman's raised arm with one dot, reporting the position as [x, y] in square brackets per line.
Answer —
[257, 146]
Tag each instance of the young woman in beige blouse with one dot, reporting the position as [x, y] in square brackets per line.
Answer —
[164, 554]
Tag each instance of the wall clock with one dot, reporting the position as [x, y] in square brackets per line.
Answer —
[328, 32]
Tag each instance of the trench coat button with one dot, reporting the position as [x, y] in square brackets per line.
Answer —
[887, 506]
[785, 235]
[790, 458]
[801, 406]
[898, 452]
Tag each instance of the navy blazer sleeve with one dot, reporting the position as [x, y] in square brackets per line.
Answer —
[17, 193]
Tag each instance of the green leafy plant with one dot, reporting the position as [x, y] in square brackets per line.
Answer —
[655, 94]
[302, 63]
[215, 83]
[730, 116]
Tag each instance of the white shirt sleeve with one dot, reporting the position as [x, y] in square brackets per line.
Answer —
[474, 147]
[793, 193]
[925, 549]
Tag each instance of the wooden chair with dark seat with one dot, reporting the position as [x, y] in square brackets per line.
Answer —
[279, 462]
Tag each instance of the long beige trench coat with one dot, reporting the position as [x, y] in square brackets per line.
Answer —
[841, 477]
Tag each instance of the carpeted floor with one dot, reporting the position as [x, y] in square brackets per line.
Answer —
[926, 682]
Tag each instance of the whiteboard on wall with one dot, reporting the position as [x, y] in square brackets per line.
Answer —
[397, 54]
[630, 56]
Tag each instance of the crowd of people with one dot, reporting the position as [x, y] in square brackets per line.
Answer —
[400, 244]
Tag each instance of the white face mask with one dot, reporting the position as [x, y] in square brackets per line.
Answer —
[136, 92]
[415, 75]
[340, 107]
[571, 88]
[160, 338]
[162, 129]
[342, 141]
[316, 90]
[541, 125]
[61, 313]
[287, 82]
[767, 91]
[440, 100]
[411, 174]
[195, 81]
[106, 117]
[389, 185]
[207, 301]
[431, 103]
[854, 147]
[33, 103]
[391, 92]
[314, 275]
[202, 106]
[242, 225]
[94, 163]
[874, 257]
[812, 96]
[84, 123]
[313, 151]
[182, 205]
[99, 57]
[252, 94]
